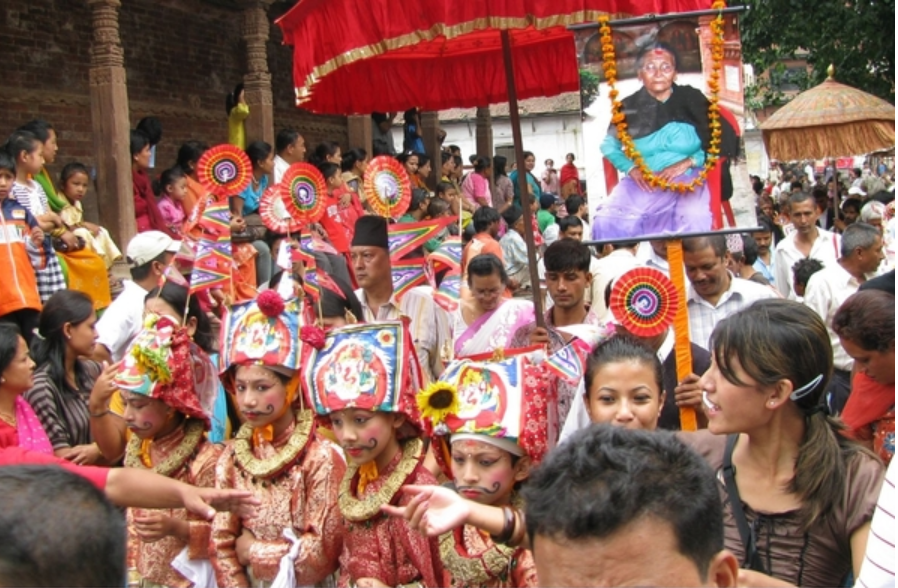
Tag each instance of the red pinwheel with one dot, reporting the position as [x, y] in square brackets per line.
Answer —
[303, 190]
[645, 301]
[387, 187]
[224, 170]
[274, 212]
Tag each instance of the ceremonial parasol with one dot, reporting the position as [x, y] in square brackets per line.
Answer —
[829, 120]
[411, 54]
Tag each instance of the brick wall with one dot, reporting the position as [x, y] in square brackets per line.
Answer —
[182, 57]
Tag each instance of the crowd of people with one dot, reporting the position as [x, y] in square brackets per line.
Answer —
[365, 436]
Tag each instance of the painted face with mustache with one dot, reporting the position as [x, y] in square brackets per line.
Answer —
[367, 436]
[260, 395]
[144, 416]
[484, 473]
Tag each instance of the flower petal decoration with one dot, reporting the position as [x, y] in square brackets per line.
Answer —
[437, 401]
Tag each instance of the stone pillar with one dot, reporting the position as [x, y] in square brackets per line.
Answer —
[430, 128]
[484, 136]
[358, 128]
[257, 81]
[111, 123]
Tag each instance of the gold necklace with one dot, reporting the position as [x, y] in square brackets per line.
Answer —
[358, 510]
[286, 455]
[496, 562]
[193, 436]
[10, 419]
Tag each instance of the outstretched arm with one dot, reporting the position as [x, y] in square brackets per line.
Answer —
[145, 489]
[435, 510]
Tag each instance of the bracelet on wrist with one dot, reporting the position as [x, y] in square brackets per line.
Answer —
[97, 415]
[508, 527]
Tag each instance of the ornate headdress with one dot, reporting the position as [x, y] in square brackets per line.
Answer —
[371, 366]
[504, 403]
[163, 363]
[264, 332]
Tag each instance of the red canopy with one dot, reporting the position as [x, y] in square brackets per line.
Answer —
[383, 55]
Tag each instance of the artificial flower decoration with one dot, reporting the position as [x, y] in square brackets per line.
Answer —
[437, 401]
[270, 303]
[313, 336]
[151, 351]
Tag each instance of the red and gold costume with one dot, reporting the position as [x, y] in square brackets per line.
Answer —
[373, 367]
[503, 404]
[295, 475]
[164, 364]
[301, 494]
[197, 468]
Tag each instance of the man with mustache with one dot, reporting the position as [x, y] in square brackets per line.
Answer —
[714, 293]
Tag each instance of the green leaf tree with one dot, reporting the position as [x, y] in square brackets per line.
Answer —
[856, 36]
[589, 88]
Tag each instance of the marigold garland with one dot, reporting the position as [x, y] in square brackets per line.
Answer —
[619, 119]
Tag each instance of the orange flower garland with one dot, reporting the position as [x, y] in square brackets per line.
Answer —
[619, 119]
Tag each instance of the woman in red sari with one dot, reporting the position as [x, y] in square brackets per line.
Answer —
[570, 178]
[865, 324]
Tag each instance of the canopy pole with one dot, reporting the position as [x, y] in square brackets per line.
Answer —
[682, 343]
[522, 177]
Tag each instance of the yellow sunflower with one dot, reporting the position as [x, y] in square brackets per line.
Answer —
[437, 401]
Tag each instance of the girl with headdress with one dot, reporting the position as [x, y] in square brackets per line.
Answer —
[363, 379]
[489, 422]
[275, 455]
[168, 386]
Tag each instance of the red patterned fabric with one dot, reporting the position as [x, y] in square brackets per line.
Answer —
[390, 41]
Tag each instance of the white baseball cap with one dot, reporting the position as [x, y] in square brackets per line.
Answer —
[147, 246]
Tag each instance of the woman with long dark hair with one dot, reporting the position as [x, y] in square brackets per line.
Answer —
[798, 495]
[64, 380]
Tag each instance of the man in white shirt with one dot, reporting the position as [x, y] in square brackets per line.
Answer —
[290, 147]
[621, 260]
[831, 286]
[765, 262]
[373, 271]
[714, 293]
[808, 240]
[654, 255]
[150, 253]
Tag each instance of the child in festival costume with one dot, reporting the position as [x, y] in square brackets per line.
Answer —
[276, 454]
[168, 386]
[490, 423]
[363, 378]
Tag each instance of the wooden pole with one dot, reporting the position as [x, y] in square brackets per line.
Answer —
[522, 177]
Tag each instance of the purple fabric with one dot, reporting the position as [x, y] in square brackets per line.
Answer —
[632, 212]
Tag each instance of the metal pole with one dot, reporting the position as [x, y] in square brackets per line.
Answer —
[649, 18]
[522, 177]
[680, 236]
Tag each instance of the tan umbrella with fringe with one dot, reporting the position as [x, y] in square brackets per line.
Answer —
[829, 120]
